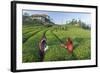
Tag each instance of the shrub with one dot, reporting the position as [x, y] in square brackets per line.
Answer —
[83, 51]
[57, 54]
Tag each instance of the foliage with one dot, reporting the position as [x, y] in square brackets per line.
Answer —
[55, 52]
[78, 23]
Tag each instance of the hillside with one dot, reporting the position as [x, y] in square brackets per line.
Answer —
[55, 37]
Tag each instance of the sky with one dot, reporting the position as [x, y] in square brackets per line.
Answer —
[62, 17]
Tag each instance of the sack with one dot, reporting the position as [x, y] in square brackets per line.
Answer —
[46, 48]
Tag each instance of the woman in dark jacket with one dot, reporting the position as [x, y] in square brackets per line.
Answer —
[42, 46]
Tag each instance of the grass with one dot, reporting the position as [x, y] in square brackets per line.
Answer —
[31, 48]
[32, 35]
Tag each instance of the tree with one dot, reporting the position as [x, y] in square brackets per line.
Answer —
[72, 22]
[83, 25]
[25, 14]
[26, 18]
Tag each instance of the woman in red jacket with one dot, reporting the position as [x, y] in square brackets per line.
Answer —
[68, 45]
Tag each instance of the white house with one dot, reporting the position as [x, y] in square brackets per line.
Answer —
[42, 17]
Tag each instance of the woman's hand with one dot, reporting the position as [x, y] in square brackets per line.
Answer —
[62, 45]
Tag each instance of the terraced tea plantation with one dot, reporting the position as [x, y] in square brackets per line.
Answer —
[55, 37]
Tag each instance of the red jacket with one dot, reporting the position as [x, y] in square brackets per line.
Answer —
[69, 46]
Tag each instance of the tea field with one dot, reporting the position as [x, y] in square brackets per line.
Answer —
[55, 35]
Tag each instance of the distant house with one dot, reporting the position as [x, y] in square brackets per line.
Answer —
[42, 17]
[77, 24]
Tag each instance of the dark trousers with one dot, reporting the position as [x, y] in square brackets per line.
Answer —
[41, 53]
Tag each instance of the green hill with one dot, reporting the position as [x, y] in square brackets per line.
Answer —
[56, 35]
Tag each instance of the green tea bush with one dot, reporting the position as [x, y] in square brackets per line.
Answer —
[57, 53]
[83, 51]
